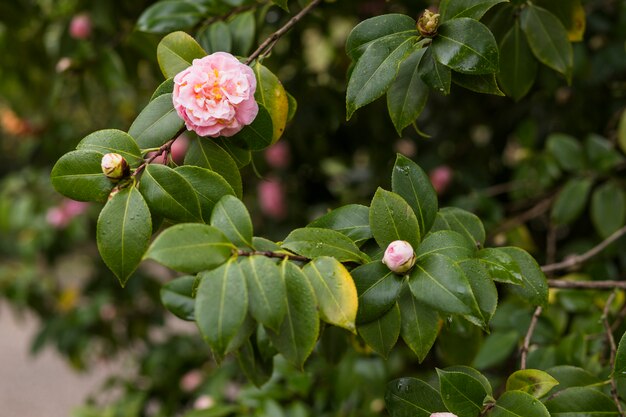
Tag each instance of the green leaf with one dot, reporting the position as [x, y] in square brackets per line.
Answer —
[351, 220]
[382, 334]
[258, 134]
[376, 69]
[516, 404]
[446, 242]
[282, 4]
[567, 151]
[242, 30]
[466, 46]
[462, 222]
[232, 218]
[123, 234]
[434, 74]
[271, 94]
[474, 9]
[372, 29]
[391, 219]
[254, 366]
[619, 368]
[571, 376]
[411, 182]
[221, 306]
[518, 67]
[206, 153]
[548, 40]
[242, 157]
[483, 290]
[408, 94]
[482, 83]
[462, 393]
[378, 289]
[412, 397]
[78, 175]
[299, 331]
[601, 153]
[113, 141]
[176, 52]
[266, 291]
[535, 288]
[293, 107]
[621, 132]
[497, 348]
[167, 16]
[581, 401]
[157, 123]
[608, 208]
[438, 281]
[571, 201]
[313, 242]
[215, 38]
[177, 297]
[500, 265]
[532, 381]
[166, 87]
[208, 185]
[169, 194]
[190, 248]
[419, 324]
[335, 291]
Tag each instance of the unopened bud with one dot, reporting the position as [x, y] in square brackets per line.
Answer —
[428, 24]
[115, 166]
[399, 256]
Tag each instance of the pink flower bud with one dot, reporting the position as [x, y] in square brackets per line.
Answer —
[272, 198]
[179, 149]
[440, 178]
[443, 415]
[399, 256]
[191, 380]
[80, 26]
[57, 218]
[278, 155]
[215, 95]
[114, 166]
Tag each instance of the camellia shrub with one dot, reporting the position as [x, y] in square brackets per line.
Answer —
[423, 291]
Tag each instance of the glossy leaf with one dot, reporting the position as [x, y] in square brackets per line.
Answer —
[177, 296]
[157, 123]
[123, 233]
[608, 208]
[567, 150]
[481, 83]
[411, 182]
[169, 194]
[167, 16]
[208, 185]
[313, 242]
[221, 306]
[462, 393]
[412, 397]
[113, 141]
[518, 67]
[434, 74]
[500, 265]
[232, 218]
[463, 222]
[335, 291]
[581, 401]
[207, 154]
[266, 291]
[391, 218]
[547, 38]
[299, 331]
[78, 175]
[466, 46]
[176, 51]
[571, 13]
[535, 288]
[517, 403]
[483, 290]
[372, 29]
[351, 220]
[408, 94]
[446, 242]
[378, 289]
[532, 381]
[190, 248]
[419, 324]
[376, 69]
[271, 94]
[382, 334]
[474, 9]
[257, 135]
[571, 201]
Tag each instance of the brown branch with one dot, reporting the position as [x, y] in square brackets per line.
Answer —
[534, 212]
[164, 149]
[575, 260]
[529, 335]
[587, 285]
[613, 350]
[271, 41]
[270, 254]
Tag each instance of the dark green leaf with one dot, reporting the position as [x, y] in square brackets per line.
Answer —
[482, 83]
[190, 248]
[167, 16]
[378, 289]
[580, 401]
[567, 151]
[370, 30]
[419, 326]
[434, 74]
[124, 230]
[113, 141]
[157, 123]
[608, 208]
[215, 38]
[206, 153]
[466, 46]
[446, 242]
[535, 288]
[166, 87]
[462, 393]
[176, 52]
[258, 135]
[257, 369]
[78, 175]
[516, 404]
[462, 222]
[483, 290]
[313, 242]
[382, 334]
[351, 220]
[571, 201]
[242, 157]
[500, 265]
[518, 67]
[532, 381]
[474, 9]
[391, 219]
[496, 349]
[177, 297]
[601, 153]
[208, 185]
[411, 397]
[266, 291]
[232, 218]
[571, 376]
[242, 29]
[283, 4]
[619, 368]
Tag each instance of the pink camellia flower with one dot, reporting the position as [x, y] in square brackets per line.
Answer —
[440, 178]
[215, 95]
[278, 155]
[80, 26]
[399, 256]
[60, 216]
[443, 415]
[272, 198]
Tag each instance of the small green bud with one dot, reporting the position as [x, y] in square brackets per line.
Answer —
[114, 166]
[428, 24]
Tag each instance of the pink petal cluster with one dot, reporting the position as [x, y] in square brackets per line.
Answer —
[278, 155]
[399, 256]
[215, 95]
[272, 198]
[443, 415]
[60, 216]
[441, 177]
[80, 26]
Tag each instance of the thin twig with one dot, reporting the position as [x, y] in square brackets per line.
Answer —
[164, 149]
[534, 212]
[613, 350]
[529, 335]
[270, 254]
[575, 260]
[269, 42]
[587, 285]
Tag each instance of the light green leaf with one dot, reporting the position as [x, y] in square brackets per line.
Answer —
[412, 397]
[113, 141]
[208, 185]
[176, 52]
[382, 334]
[474, 9]
[123, 233]
[571, 201]
[378, 289]
[157, 123]
[351, 220]
[497, 348]
[518, 67]
[434, 74]
[516, 404]
[419, 326]
[391, 218]
[190, 248]
[372, 29]
[177, 297]
[335, 291]
[271, 94]
[78, 175]
[232, 218]
[266, 291]
[207, 154]
[535, 288]
[608, 208]
[532, 381]
[313, 242]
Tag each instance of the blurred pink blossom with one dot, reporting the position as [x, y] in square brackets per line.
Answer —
[177, 152]
[278, 155]
[203, 402]
[60, 216]
[441, 177]
[80, 26]
[272, 198]
[191, 380]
